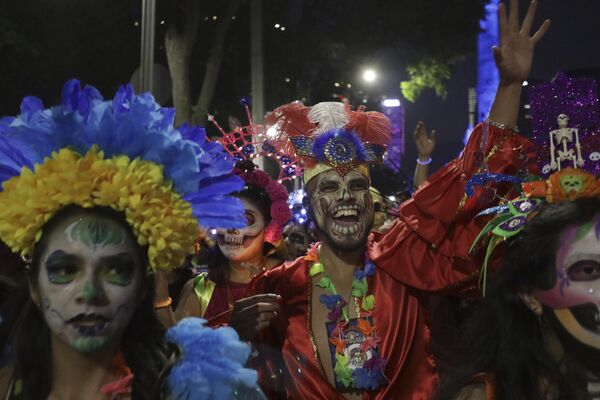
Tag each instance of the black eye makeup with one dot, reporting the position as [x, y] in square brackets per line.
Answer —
[118, 270]
[250, 218]
[62, 268]
[584, 270]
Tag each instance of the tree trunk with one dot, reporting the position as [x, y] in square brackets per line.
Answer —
[179, 43]
[213, 65]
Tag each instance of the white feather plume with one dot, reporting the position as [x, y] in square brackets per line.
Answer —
[328, 115]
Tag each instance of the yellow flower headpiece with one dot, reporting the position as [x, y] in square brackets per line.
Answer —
[124, 154]
[160, 219]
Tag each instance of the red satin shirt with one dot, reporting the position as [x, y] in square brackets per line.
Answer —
[426, 252]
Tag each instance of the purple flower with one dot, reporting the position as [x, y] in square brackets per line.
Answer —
[367, 380]
[370, 268]
[375, 364]
[330, 300]
[337, 311]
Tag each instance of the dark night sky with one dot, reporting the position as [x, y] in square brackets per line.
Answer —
[572, 44]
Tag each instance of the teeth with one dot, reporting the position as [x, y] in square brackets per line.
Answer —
[234, 239]
[346, 229]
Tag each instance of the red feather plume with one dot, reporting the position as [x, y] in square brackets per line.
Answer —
[288, 120]
[371, 126]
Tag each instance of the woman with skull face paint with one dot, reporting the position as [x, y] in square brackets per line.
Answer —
[85, 200]
[239, 256]
[537, 333]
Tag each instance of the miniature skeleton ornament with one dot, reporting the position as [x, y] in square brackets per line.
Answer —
[564, 136]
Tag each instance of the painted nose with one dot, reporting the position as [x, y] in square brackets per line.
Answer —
[346, 194]
[92, 293]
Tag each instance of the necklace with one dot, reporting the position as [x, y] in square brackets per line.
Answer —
[353, 342]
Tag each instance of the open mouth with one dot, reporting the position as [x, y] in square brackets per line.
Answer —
[234, 242]
[588, 316]
[345, 219]
[89, 324]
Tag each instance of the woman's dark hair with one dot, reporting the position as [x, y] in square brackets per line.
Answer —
[28, 336]
[503, 337]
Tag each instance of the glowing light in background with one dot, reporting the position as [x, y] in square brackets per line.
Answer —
[369, 75]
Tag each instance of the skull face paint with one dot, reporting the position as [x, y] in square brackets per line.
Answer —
[575, 298]
[242, 245]
[342, 208]
[89, 281]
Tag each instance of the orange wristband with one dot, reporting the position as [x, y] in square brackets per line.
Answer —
[164, 303]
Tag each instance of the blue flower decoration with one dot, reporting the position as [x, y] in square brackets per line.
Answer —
[211, 364]
[368, 270]
[367, 380]
[330, 300]
[131, 125]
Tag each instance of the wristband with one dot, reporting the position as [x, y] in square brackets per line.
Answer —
[503, 126]
[164, 303]
[424, 162]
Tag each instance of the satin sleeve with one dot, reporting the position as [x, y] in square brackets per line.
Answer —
[427, 248]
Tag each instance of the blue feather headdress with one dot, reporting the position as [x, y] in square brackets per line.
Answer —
[197, 173]
[211, 365]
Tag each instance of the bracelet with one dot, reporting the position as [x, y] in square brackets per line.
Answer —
[424, 162]
[164, 303]
[503, 126]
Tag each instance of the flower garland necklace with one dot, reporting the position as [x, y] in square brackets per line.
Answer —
[357, 364]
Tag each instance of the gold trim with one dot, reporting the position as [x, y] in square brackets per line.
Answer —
[568, 321]
[311, 172]
[309, 327]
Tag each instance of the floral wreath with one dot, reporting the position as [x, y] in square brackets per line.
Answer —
[568, 184]
[123, 153]
[280, 211]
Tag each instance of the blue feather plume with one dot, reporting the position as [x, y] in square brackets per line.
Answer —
[211, 364]
[321, 141]
[132, 125]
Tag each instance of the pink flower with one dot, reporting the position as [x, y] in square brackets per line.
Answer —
[273, 233]
[276, 191]
[261, 179]
[280, 212]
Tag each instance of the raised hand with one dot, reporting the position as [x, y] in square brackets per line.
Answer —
[253, 314]
[514, 53]
[425, 141]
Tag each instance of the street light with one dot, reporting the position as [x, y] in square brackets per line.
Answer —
[369, 75]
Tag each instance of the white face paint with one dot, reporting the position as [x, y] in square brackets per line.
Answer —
[575, 298]
[246, 244]
[89, 281]
[342, 207]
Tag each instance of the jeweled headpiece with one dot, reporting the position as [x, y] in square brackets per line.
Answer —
[123, 153]
[250, 141]
[330, 135]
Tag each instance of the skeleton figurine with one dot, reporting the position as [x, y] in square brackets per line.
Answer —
[564, 135]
